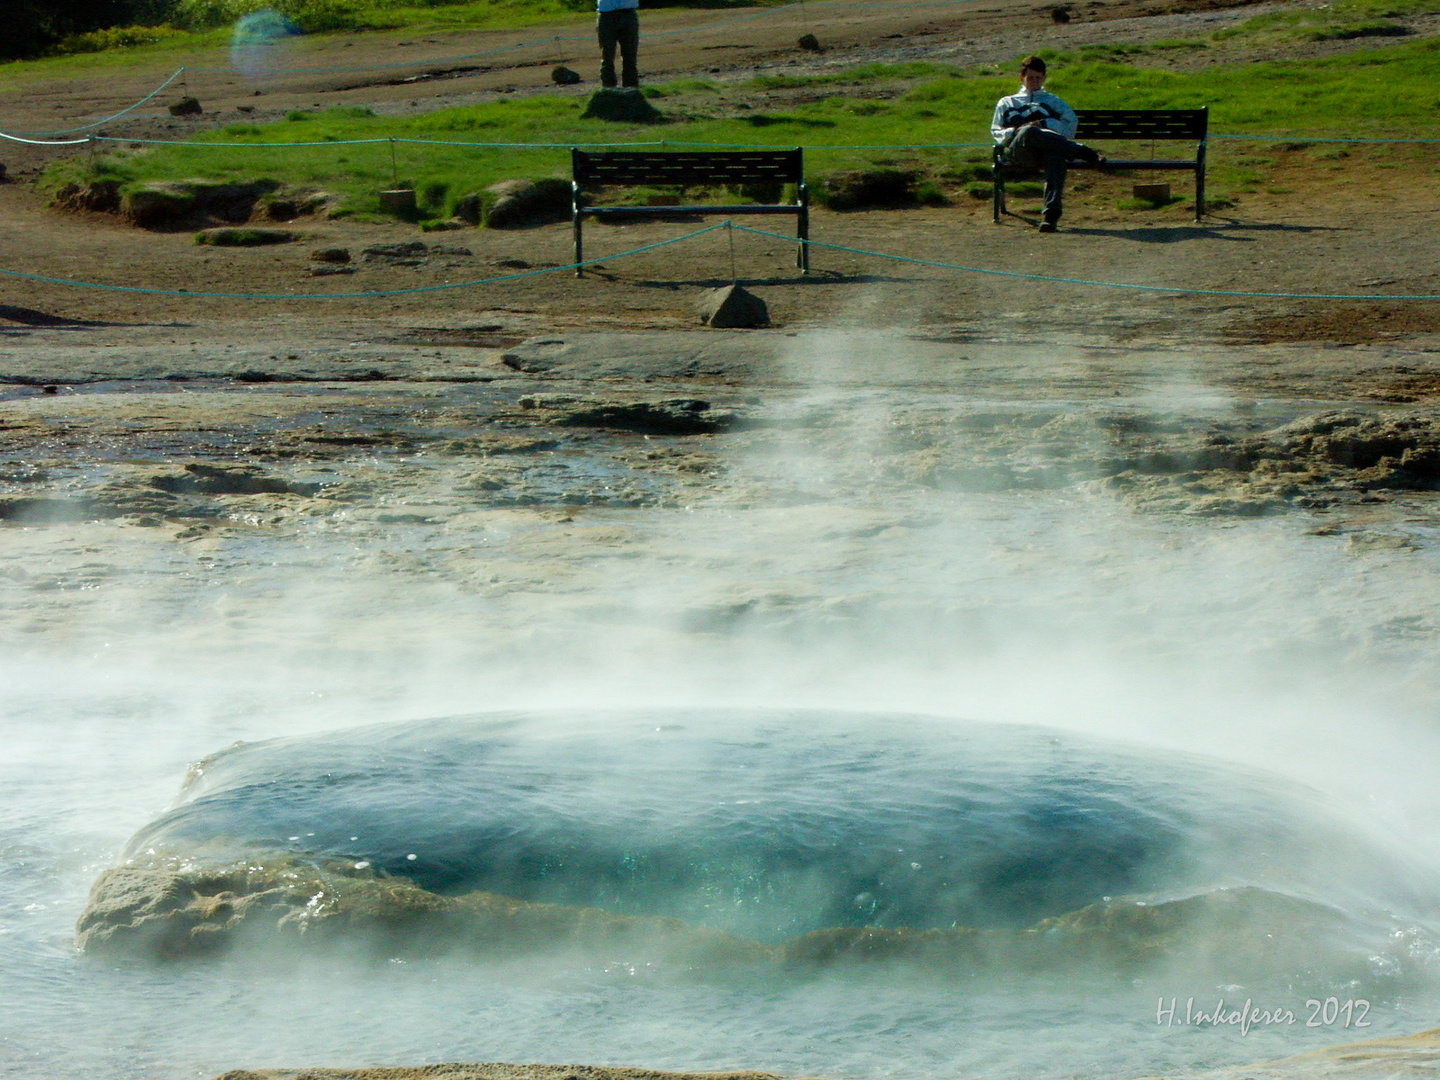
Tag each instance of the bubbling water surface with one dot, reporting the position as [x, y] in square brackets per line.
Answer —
[771, 824]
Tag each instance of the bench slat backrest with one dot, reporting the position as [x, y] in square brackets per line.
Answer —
[686, 167]
[1142, 124]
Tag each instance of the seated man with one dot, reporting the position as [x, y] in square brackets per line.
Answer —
[1036, 129]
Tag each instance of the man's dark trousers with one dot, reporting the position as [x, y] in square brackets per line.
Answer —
[1036, 147]
[619, 29]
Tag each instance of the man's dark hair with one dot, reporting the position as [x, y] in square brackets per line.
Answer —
[1033, 63]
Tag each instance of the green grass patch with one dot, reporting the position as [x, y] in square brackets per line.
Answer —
[1140, 203]
[243, 237]
[119, 37]
[930, 120]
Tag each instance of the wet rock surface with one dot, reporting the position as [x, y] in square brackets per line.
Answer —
[633, 418]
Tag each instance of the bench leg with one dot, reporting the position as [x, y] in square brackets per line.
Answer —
[999, 199]
[1200, 187]
[575, 217]
[802, 235]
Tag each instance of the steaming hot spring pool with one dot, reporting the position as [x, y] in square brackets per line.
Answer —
[857, 894]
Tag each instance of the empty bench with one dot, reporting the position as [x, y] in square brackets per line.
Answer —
[1136, 125]
[688, 168]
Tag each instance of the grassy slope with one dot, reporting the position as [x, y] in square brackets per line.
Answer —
[1352, 96]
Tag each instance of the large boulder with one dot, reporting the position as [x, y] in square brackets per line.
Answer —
[856, 189]
[516, 204]
[98, 196]
[162, 204]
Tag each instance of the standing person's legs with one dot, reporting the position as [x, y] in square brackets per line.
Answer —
[628, 34]
[607, 31]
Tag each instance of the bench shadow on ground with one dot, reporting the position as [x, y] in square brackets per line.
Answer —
[1230, 229]
[815, 277]
[27, 319]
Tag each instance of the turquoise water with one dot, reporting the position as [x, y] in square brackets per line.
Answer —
[1078, 815]
[771, 824]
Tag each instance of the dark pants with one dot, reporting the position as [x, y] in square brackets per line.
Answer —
[619, 28]
[1040, 148]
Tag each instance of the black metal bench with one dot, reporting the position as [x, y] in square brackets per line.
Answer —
[689, 168]
[1136, 125]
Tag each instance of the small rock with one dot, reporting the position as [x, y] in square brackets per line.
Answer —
[100, 196]
[674, 416]
[730, 307]
[3, 178]
[1376, 541]
[398, 201]
[810, 43]
[331, 255]
[561, 75]
[410, 253]
[186, 106]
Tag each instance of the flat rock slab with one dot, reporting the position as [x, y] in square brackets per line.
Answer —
[1370, 1060]
[661, 354]
[75, 364]
[490, 1071]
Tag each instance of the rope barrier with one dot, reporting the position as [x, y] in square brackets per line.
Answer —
[375, 294]
[729, 225]
[469, 144]
[464, 144]
[45, 142]
[99, 123]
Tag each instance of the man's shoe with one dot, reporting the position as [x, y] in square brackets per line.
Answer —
[1047, 226]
